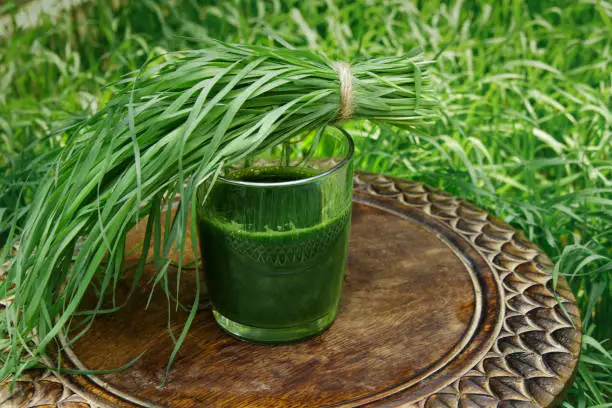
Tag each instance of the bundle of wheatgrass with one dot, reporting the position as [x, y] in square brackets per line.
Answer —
[174, 123]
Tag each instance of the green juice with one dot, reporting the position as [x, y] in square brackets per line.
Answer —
[274, 263]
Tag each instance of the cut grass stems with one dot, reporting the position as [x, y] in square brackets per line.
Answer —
[173, 123]
[504, 70]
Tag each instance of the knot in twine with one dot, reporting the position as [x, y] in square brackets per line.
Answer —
[346, 90]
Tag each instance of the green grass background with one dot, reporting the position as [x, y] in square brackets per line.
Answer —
[525, 89]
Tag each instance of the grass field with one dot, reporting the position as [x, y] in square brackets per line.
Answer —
[525, 130]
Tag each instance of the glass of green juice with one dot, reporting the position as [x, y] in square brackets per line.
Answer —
[273, 232]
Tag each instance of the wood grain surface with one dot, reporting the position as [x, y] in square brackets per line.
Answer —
[443, 306]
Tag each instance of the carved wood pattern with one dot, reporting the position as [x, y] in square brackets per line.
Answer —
[37, 389]
[533, 358]
[537, 350]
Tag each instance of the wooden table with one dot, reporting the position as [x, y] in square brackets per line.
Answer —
[443, 306]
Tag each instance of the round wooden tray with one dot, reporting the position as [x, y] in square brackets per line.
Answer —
[443, 306]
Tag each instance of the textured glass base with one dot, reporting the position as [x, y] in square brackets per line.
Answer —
[284, 335]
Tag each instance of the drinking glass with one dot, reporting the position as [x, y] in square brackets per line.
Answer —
[273, 233]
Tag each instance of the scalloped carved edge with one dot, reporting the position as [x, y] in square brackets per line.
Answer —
[533, 359]
[536, 353]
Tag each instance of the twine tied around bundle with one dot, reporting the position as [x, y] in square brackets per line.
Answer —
[346, 90]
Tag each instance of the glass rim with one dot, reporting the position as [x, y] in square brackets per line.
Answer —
[343, 162]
